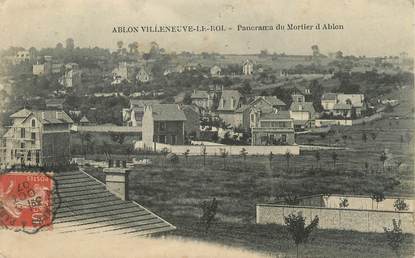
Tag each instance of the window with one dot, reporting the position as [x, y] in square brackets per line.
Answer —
[33, 122]
[22, 133]
[22, 145]
[162, 126]
[29, 156]
[33, 136]
[37, 157]
[284, 138]
[252, 118]
[173, 139]
[162, 139]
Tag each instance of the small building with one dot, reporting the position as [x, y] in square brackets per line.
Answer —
[346, 105]
[163, 123]
[215, 71]
[84, 121]
[39, 69]
[248, 67]
[72, 76]
[37, 138]
[274, 129]
[144, 75]
[120, 73]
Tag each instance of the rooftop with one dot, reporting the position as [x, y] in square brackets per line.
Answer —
[86, 205]
[167, 112]
[276, 116]
[329, 96]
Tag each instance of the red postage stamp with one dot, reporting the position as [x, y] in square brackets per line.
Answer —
[26, 200]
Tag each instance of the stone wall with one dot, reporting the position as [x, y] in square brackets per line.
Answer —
[216, 149]
[343, 219]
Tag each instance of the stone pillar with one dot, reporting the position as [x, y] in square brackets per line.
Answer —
[116, 180]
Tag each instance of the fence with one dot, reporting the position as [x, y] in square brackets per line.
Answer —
[218, 149]
[337, 218]
[348, 122]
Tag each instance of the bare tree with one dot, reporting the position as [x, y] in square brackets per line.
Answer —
[288, 156]
[224, 155]
[209, 210]
[204, 153]
[244, 153]
[186, 155]
[395, 237]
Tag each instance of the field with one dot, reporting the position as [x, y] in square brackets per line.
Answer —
[175, 191]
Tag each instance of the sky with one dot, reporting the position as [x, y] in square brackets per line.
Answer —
[371, 27]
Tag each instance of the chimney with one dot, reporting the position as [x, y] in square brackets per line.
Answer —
[116, 178]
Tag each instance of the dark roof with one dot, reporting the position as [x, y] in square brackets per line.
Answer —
[86, 205]
[168, 112]
[302, 106]
[342, 106]
[227, 95]
[143, 102]
[329, 96]
[200, 94]
[272, 100]
[276, 116]
[45, 116]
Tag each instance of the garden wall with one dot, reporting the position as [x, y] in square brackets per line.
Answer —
[336, 218]
[216, 149]
[348, 122]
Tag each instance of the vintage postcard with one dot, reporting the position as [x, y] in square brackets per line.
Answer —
[199, 129]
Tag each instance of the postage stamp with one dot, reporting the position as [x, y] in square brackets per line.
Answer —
[26, 200]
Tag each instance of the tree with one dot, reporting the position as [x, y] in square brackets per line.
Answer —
[317, 156]
[395, 236]
[244, 153]
[297, 229]
[164, 152]
[107, 150]
[117, 137]
[383, 157]
[224, 154]
[186, 155]
[120, 43]
[334, 158]
[378, 197]
[208, 213]
[288, 156]
[344, 203]
[400, 205]
[204, 153]
[270, 157]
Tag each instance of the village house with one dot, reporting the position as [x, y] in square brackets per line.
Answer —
[274, 129]
[345, 105]
[215, 71]
[229, 102]
[121, 73]
[163, 123]
[248, 67]
[72, 76]
[22, 56]
[133, 116]
[202, 99]
[37, 138]
[39, 69]
[260, 105]
[303, 114]
[144, 75]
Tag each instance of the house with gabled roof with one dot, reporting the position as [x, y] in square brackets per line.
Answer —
[133, 116]
[274, 129]
[345, 105]
[37, 138]
[230, 101]
[144, 75]
[163, 123]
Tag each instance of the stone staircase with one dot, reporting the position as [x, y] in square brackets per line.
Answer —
[84, 204]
